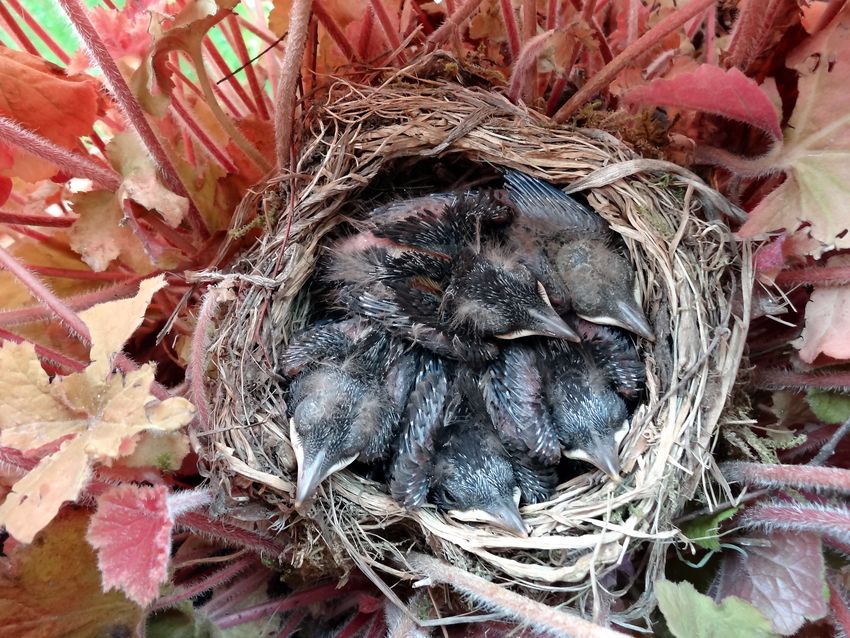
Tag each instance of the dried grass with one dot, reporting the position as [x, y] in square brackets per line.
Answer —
[693, 277]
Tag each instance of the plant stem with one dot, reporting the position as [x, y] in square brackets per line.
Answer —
[290, 69]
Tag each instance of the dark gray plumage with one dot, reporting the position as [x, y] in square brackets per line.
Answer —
[472, 477]
[573, 251]
[435, 274]
[341, 408]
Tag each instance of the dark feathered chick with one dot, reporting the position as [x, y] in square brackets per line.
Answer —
[436, 277]
[582, 263]
[422, 421]
[586, 411]
[473, 477]
[342, 409]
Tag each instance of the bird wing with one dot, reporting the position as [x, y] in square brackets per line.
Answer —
[513, 392]
[413, 466]
[615, 354]
[539, 200]
[326, 342]
[536, 482]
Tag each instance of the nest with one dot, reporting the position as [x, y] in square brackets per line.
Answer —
[694, 283]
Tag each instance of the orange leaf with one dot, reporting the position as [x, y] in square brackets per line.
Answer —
[40, 97]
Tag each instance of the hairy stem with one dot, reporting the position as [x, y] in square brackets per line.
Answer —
[71, 163]
[830, 520]
[648, 40]
[448, 27]
[530, 612]
[809, 477]
[290, 69]
[206, 583]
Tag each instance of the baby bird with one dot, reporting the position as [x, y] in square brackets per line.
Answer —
[472, 477]
[433, 277]
[341, 408]
[581, 263]
[586, 410]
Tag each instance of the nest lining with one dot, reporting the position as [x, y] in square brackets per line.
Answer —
[690, 276]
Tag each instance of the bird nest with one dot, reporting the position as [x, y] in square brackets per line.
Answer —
[409, 133]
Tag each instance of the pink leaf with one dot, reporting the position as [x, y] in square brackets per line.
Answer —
[826, 320]
[711, 89]
[131, 532]
[782, 575]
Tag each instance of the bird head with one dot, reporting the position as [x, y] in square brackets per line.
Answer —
[330, 427]
[589, 425]
[600, 281]
[496, 295]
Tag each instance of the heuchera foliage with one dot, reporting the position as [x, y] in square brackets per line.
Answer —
[124, 154]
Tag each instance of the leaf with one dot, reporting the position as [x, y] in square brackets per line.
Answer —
[782, 575]
[162, 450]
[704, 530]
[43, 99]
[108, 335]
[711, 89]
[52, 587]
[815, 154]
[825, 331]
[829, 407]
[141, 183]
[690, 614]
[131, 532]
[100, 236]
[97, 412]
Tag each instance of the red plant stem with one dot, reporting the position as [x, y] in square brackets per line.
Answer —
[292, 624]
[448, 27]
[710, 29]
[551, 14]
[129, 105]
[333, 30]
[217, 153]
[390, 32]
[231, 534]
[366, 33]
[830, 276]
[264, 35]
[71, 163]
[17, 32]
[649, 39]
[47, 354]
[227, 76]
[33, 24]
[290, 70]
[196, 371]
[11, 217]
[529, 30]
[293, 601]
[527, 611]
[250, 74]
[778, 379]
[354, 625]
[77, 302]
[798, 476]
[206, 583]
[311, 55]
[829, 12]
[48, 240]
[221, 95]
[424, 20]
[527, 58]
[840, 611]
[84, 275]
[42, 293]
[511, 28]
[832, 521]
[233, 595]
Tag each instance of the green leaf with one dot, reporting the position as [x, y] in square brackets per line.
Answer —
[704, 531]
[690, 614]
[829, 407]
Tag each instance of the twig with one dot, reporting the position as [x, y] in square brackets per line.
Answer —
[527, 611]
[829, 449]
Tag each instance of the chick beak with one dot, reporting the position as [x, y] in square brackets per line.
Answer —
[629, 315]
[551, 325]
[601, 452]
[505, 515]
[310, 474]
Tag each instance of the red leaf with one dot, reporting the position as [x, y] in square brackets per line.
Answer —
[825, 331]
[131, 532]
[782, 575]
[711, 89]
